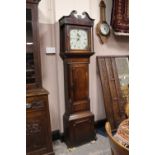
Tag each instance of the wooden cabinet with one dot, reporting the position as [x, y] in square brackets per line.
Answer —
[38, 129]
[114, 75]
[76, 48]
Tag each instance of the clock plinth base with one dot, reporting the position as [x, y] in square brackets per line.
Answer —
[79, 128]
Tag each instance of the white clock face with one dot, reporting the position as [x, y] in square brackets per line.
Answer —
[104, 27]
[78, 39]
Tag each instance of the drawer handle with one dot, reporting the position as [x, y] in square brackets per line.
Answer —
[28, 106]
[35, 105]
[82, 121]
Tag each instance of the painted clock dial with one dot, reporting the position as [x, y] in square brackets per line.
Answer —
[104, 28]
[78, 39]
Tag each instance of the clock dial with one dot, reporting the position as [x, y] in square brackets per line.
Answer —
[104, 28]
[78, 39]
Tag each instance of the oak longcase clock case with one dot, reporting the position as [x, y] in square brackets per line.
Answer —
[38, 129]
[76, 47]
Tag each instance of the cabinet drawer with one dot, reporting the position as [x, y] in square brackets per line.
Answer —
[36, 103]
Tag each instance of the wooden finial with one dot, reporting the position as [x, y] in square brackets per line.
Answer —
[102, 4]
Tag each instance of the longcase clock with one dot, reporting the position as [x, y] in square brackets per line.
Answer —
[76, 47]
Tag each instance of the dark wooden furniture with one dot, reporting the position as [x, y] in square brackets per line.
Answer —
[116, 148]
[113, 72]
[38, 129]
[120, 17]
[78, 120]
[33, 69]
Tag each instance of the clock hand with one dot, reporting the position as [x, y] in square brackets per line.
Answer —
[78, 35]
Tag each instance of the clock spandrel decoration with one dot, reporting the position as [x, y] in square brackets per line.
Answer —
[76, 47]
[102, 28]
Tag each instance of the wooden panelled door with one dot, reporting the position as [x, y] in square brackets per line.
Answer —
[79, 82]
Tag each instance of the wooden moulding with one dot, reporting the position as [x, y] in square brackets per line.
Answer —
[33, 1]
[76, 19]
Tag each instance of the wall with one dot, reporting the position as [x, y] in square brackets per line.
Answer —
[50, 11]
